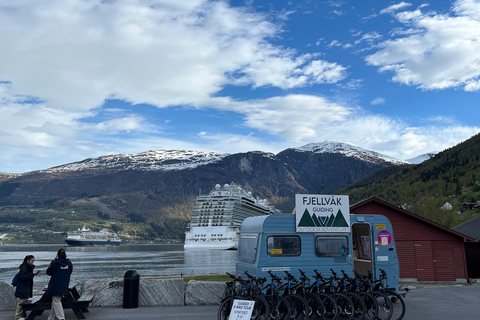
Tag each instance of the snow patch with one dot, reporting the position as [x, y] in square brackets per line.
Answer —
[349, 150]
[153, 160]
[421, 158]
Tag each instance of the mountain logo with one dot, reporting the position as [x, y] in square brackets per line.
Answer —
[313, 220]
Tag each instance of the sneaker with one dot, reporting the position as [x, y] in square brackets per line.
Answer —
[21, 319]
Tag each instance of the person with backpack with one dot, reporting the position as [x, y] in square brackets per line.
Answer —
[24, 286]
[60, 270]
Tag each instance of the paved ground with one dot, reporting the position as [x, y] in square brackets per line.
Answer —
[142, 313]
[427, 303]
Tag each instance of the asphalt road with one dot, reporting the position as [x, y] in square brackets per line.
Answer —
[428, 303]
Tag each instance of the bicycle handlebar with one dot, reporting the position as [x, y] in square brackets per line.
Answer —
[233, 276]
[273, 276]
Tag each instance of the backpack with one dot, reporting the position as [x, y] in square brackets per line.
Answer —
[15, 280]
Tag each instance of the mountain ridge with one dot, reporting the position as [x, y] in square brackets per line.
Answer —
[165, 160]
[157, 189]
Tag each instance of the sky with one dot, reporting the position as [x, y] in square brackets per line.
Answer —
[86, 78]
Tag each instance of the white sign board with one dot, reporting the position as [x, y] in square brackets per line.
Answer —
[241, 310]
[322, 213]
[276, 269]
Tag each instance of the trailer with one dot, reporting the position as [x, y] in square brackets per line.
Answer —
[274, 243]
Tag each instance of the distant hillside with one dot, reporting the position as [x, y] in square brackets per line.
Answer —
[450, 176]
[151, 194]
[7, 176]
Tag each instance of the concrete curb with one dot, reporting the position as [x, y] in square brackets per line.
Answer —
[152, 292]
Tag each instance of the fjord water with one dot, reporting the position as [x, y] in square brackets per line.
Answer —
[113, 261]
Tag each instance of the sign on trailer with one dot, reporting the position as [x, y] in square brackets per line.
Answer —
[322, 213]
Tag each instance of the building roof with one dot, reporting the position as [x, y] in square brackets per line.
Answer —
[470, 228]
[457, 233]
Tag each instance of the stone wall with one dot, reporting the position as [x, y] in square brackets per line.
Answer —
[203, 293]
[7, 298]
[152, 292]
[107, 292]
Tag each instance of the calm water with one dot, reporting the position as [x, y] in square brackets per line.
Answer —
[114, 261]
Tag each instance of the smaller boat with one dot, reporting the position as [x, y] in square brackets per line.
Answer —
[85, 237]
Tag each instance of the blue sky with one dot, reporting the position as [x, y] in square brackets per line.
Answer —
[81, 79]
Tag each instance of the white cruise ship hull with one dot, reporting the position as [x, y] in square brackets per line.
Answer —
[218, 245]
[219, 237]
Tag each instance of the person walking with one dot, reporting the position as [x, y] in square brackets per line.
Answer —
[24, 288]
[60, 270]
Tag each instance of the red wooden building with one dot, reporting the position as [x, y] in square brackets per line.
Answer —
[426, 250]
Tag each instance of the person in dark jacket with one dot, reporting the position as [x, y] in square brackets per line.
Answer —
[24, 288]
[60, 270]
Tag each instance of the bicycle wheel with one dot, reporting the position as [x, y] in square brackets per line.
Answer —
[329, 306]
[298, 307]
[344, 306]
[371, 306]
[315, 307]
[359, 306]
[260, 311]
[225, 308]
[398, 305]
[279, 308]
[385, 308]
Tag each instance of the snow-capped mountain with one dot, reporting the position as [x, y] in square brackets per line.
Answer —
[349, 150]
[329, 165]
[421, 158]
[174, 160]
[153, 160]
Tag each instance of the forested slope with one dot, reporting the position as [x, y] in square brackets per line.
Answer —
[451, 176]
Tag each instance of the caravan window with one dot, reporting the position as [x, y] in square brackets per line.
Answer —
[247, 249]
[283, 246]
[331, 246]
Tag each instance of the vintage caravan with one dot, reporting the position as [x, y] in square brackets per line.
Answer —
[274, 243]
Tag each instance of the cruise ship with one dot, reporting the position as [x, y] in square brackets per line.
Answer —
[85, 237]
[217, 217]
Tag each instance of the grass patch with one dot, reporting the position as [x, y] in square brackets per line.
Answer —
[210, 277]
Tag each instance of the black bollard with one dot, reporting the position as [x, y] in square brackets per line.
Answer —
[131, 288]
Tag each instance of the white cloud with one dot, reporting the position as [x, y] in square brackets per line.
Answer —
[395, 7]
[294, 117]
[377, 101]
[443, 53]
[76, 54]
[473, 86]
[369, 37]
[334, 43]
[115, 126]
[353, 84]
[470, 8]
